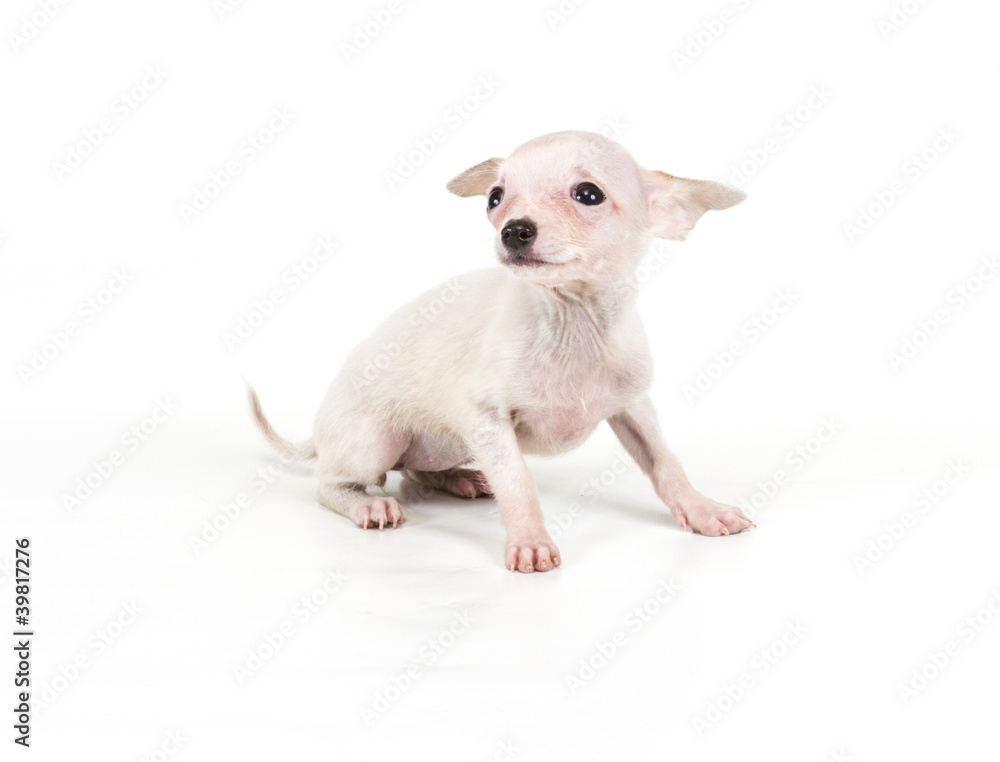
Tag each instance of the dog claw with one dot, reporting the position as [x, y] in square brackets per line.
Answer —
[380, 512]
[535, 552]
[708, 517]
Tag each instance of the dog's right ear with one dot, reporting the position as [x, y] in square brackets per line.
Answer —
[477, 180]
[676, 203]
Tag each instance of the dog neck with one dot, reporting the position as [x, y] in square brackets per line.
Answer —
[602, 301]
[584, 316]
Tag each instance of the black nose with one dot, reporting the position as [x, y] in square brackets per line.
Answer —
[517, 234]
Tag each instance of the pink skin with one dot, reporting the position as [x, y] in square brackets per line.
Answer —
[528, 554]
[380, 512]
[707, 517]
[463, 482]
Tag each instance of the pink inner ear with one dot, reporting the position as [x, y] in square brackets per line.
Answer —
[676, 223]
[653, 197]
[677, 203]
[667, 218]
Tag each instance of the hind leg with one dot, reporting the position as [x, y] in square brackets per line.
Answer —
[463, 482]
[349, 465]
[363, 509]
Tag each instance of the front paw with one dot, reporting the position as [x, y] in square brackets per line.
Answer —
[708, 517]
[531, 550]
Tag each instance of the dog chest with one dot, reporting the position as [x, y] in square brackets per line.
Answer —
[562, 409]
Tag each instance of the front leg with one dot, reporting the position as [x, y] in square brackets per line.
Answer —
[639, 433]
[493, 445]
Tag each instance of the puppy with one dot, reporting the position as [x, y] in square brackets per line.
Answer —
[527, 358]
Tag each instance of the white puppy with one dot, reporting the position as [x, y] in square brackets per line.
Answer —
[525, 358]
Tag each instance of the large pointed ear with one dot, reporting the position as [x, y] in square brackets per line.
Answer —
[477, 180]
[676, 203]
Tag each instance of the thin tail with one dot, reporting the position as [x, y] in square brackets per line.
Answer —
[288, 450]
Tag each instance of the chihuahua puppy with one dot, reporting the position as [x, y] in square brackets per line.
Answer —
[527, 358]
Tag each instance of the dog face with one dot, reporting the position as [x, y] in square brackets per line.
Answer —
[575, 206]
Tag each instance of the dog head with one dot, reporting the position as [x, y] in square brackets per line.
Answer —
[575, 206]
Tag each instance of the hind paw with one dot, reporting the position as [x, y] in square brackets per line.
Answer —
[380, 512]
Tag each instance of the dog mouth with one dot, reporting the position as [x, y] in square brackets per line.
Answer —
[520, 259]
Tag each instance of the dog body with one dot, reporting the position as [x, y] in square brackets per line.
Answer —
[456, 386]
[543, 360]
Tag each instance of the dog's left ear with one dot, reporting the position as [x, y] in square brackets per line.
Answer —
[477, 180]
[675, 204]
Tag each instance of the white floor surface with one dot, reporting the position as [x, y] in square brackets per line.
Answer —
[295, 635]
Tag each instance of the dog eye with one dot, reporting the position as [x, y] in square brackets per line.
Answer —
[588, 194]
[496, 196]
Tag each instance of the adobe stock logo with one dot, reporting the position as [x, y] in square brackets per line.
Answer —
[428, 654]
[894, 530]
[709, 33]
[249, 149]
[785, 128]
[606, 650]
[122, 107]
[87, 311]
[762, 662]
[32, 25]
[103, 468]
[365, 33]
[292, 279]
[967, 631]
[753, 329]
[900, 16]
[559, 14]
[912, 171]
[912, 343]
[452, 120]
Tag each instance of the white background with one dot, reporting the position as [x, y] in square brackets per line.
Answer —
[697, 91]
